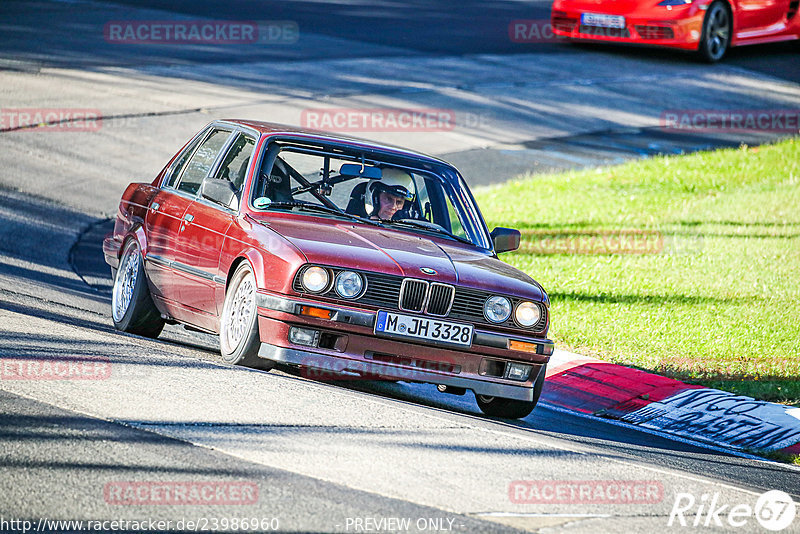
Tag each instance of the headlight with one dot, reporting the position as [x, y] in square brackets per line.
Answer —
[497, 309]
[315, 279]
[527, 314]
[349, 284]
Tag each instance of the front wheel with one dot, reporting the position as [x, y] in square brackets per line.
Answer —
[512, 408]
[238, 332]
[132, 308]
[717, 30]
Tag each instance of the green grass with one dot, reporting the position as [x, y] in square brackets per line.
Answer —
[706, 286]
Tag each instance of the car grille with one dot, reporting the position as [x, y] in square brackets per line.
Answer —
[440, 299]
[604, 32]
[655, 32]
[410, 294]
[562, 22]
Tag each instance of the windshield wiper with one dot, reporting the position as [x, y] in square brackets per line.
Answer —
[319, 207]
[432, 227]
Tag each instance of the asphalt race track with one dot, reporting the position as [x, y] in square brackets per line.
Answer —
[319, 457]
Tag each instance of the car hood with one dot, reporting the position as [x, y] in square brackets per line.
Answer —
[382, 250]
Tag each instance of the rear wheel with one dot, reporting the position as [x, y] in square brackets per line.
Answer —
[717, 31]
[511, 408]
[238, 333]
[132, 308]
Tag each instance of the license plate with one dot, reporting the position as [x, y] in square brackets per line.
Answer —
[602, 21]
[413, 327]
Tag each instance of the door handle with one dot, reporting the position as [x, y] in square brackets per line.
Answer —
[188, 217]
[154, 206]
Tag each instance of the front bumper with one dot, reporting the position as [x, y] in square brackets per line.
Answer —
[357, 353]
[681, 28]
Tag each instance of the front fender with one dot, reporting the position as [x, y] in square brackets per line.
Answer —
[273, 258]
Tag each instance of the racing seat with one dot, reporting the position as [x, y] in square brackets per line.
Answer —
[241, 174]
[356, 205]
[278, 185]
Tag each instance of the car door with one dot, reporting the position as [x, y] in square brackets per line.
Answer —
[165, 220]
[756, 17]
[205, 226]
[162, 224]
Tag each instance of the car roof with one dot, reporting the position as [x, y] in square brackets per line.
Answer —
[271, 128]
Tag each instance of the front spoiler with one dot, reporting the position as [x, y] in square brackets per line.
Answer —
[349, 369]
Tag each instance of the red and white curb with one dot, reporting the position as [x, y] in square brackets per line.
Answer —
[603, 389]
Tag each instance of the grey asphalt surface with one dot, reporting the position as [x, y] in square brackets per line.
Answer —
[170, 410]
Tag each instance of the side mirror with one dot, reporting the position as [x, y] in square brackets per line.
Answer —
[505, 239]
[220, 191]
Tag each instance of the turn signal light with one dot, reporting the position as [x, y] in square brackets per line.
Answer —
[319, 313]
[523, 346]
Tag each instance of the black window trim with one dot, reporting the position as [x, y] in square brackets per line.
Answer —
[218, 164]
[217, 161]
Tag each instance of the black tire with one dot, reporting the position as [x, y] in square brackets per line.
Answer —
[132, 308]
[717, 31]
[239, 340]
[511, 408]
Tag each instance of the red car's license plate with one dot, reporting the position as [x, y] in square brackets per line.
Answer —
[409, 326]
[602, 21]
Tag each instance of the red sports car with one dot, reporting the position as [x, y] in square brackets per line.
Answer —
[708, 26]
[330, 254]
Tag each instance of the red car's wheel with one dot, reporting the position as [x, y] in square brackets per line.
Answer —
[717, 31]
[511, 408]
[238, 333]
[132, 309]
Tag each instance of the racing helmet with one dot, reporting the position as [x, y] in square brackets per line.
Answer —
[393, 181]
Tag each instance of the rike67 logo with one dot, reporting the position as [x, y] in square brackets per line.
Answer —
[774, 510]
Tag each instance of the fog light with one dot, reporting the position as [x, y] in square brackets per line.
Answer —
[303, 336]
[518, 371]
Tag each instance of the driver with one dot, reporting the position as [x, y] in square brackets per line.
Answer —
[387, 196]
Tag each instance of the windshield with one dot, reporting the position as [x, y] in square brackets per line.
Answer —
[366, 190]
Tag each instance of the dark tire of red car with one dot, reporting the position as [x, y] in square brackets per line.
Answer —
[141, 316]
[511, 408]
[717, 31]
[244, 350]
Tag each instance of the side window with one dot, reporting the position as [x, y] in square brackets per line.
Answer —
[202, 160]
[440, 209]
[177, 167]
[234, 167]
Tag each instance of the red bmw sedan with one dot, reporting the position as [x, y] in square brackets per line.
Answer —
[333, 255]
[709, 27]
